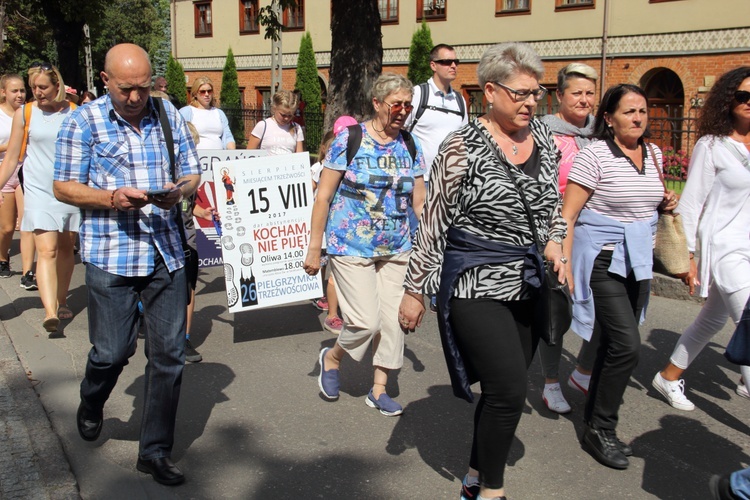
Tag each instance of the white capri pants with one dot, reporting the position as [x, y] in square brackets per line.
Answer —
[713, 316]
[369, 292]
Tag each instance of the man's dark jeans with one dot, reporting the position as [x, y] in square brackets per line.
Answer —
[113, 329]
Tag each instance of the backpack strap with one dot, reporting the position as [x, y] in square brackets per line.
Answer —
[424, 95]
[409, 141]
[353, 142]
[262, 135]
[461, 104]
[26, 124]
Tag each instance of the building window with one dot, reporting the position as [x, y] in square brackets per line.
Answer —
[249, 16]
[294, 18]
[203, 19]
[431, 10]
[388, 11]
[512, 7]
[574, 4]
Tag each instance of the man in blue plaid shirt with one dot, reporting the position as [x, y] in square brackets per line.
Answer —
[111, 154]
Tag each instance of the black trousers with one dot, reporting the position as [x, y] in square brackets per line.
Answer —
[497, 345]
[618, 305]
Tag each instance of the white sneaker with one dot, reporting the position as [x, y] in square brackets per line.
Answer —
[578, 384]
[554, 399]
[742, 390]
[674, 392]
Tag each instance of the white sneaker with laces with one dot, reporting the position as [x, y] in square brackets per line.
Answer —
[554, 399]
[674, 392]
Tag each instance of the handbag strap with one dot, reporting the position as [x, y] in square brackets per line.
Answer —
[526, 205]
[167, 131]
[735, 152]
[658, 170]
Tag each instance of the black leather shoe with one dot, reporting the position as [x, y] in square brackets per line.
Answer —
[626, 449]
[162, 469]
[89, 423]
[602, 445]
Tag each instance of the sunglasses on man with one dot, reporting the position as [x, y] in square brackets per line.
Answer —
[446, 62]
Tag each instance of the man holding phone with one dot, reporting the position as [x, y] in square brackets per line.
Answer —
[112, 162]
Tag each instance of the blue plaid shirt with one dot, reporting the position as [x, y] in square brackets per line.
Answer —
[96, 147]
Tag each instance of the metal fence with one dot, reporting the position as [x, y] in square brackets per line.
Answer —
[674, 136]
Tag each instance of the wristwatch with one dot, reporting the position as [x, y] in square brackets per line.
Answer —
[557, 239]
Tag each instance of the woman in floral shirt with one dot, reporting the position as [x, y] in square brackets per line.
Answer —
[366, 202]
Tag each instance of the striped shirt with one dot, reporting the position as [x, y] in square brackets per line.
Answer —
[98, 148]
[621, 191]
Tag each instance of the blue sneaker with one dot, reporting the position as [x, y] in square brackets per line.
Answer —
[433, 303]
[385, 404]
[469, 491]
[328, 380]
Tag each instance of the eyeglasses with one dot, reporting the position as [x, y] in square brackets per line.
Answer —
[205, 92]
[396, 107]
[522, 95]
[447, 62]
[742, 96]
[43, 66]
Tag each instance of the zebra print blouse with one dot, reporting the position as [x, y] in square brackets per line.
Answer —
[470, 190]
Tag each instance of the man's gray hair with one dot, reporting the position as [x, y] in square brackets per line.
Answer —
[388, 83]
[575, 70]
[504, 61]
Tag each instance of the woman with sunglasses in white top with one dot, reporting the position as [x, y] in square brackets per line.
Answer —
[278, 134]
[210, 122]
[715, 209]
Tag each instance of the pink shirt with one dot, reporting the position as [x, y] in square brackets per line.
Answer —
[569, 149]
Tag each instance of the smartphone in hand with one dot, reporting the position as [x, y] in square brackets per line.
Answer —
[162, 192]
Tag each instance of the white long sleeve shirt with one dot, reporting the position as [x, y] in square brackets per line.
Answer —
[715, 209]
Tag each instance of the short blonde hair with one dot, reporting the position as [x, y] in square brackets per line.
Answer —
[197, 84]
[5, 79]
[54, 76]
[575, 70]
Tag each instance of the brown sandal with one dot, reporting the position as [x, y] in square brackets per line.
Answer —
[51, 324]
[64, 312]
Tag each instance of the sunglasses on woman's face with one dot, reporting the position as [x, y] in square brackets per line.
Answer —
[396, 107]
[206, 92]
[44, 66]
[742, 96]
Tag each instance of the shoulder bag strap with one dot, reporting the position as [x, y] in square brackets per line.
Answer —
[742, 159]
[167, 130]
[26, 124]
[526, 205]
[658, 170]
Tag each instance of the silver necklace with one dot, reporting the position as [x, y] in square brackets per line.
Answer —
[512, 144]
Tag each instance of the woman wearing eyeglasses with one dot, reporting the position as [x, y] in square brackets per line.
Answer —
[54, 223]
[715, 209]
[473, 243]
[610, 204]
[210, 122]
[278, 134]
[362, 204]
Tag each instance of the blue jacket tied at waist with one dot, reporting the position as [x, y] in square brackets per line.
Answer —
[633, 252]
[464, 251]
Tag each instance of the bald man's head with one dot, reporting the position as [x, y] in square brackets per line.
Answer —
[127, 75]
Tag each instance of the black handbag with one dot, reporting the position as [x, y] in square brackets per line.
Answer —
[738, 348]
[554, 307]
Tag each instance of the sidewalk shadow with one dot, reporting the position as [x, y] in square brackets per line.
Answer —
[202, 389]
[706, 376]
[440, 427]
[681, 456]
[270, 323]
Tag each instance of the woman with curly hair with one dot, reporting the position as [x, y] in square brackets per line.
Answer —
[715, 208]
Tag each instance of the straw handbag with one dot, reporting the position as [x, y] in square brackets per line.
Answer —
[670, 251]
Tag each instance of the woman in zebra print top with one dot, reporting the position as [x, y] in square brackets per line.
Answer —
[486, 307]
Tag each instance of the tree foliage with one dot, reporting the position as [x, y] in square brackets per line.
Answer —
[307, 75]
[28, 36]
[230, 99]
[419, 55]
[176, 85]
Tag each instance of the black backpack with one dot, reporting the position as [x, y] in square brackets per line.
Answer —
[424, 95]
[355, 139]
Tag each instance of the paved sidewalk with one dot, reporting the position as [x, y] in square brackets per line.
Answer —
[32, 462]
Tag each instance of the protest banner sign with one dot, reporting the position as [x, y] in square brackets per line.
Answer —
[265, 205]
[206, 237]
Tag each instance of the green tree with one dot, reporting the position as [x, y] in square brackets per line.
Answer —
[307, 75]
[176, 80]
[419, 55]
[28, 37]
[230, 100]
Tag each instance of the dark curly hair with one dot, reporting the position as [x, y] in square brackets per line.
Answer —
[610, 101]
[716, 114]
